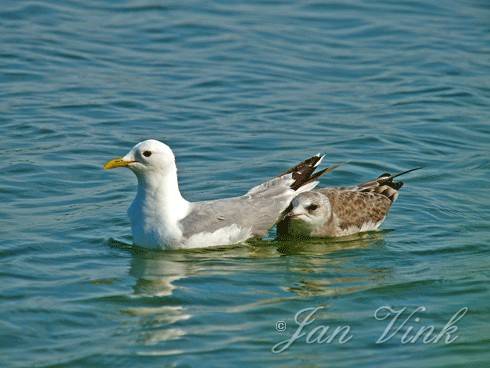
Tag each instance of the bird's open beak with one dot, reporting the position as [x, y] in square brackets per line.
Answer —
[115, 163]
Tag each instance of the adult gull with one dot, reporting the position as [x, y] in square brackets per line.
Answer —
[161, 218]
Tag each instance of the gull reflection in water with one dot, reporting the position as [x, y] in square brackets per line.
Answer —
[325, 271]
[295, 270]
[156, 274]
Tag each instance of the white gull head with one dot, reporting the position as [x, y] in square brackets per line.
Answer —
[158, 206]
[150, 158]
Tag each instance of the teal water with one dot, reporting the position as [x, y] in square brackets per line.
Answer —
[241, 91]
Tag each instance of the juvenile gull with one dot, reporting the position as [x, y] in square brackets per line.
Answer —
[161, 218]
[331, 212]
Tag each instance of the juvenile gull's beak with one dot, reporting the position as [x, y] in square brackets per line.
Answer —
[115, 163]
[293, 214]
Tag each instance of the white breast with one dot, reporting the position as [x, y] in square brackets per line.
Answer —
[152, 226]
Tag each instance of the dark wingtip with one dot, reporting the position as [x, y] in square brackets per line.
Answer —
[304, 172]
[405, 172]
[389, 177]
[315, 176]
[309, 163]
[397, 185]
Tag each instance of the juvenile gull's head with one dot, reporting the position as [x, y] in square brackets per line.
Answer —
[307, 212]
[146, 158]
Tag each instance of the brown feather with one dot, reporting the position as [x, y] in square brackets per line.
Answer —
[354, 208]
[304, 172]
[385, 185]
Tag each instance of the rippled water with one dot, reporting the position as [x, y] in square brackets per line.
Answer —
[240, 90]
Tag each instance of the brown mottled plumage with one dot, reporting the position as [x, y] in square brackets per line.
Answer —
[354, 209]
[330, 212]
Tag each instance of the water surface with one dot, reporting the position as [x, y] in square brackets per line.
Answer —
[241, 91]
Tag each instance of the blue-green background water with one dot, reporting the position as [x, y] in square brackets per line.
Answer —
[241, 91]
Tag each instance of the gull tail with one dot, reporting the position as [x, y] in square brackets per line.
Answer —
[304, 174]
[385, 185]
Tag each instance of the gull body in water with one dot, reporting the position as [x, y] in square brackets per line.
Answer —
[161, 218]
[333, 212]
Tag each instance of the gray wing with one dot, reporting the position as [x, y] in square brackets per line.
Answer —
[254, 214]
[260, 208]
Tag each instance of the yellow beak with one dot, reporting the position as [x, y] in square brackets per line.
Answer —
[115, 163]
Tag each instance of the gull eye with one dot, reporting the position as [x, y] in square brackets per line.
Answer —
[147, 153]
[312, 207]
